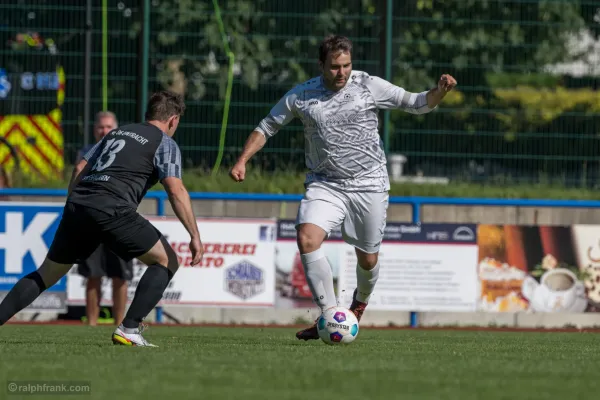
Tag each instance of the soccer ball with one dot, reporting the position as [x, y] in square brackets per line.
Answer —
[337, 325]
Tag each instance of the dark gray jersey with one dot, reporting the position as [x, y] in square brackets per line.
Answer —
[124, 165]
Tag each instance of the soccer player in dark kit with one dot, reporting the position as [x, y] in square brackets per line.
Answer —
[106, 189]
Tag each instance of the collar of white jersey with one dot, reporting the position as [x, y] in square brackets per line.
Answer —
[332, 91]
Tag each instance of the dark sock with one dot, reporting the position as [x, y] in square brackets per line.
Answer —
[21, 295]
[147, 295]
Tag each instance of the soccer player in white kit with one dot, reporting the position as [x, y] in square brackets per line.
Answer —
[347, 183]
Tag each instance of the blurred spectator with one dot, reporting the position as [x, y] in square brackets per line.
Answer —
[104, 262]
[105, 122]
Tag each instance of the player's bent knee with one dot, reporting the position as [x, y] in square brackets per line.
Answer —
[367, 261]
[172, 261]
[310, 238]
[161, 254]
[156, 255]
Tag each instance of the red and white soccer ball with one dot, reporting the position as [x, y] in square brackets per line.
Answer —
[337, 325]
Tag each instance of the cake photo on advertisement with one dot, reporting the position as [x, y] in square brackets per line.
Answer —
[500, 286]
[500, 282]
[530, 268]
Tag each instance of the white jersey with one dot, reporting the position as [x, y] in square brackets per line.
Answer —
[343, 147]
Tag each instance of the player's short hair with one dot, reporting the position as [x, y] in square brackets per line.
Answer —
[163, 105]
[105, 114]
[334, 44]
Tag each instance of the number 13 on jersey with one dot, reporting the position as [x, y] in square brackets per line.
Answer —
[112, 147]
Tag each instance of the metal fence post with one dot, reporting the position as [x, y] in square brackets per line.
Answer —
[388, 70]
[105, 55]
[160, 211]
[416, 219]
[87, 72]
[143, 55]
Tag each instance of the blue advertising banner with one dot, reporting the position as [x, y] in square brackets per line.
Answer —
[26, 233]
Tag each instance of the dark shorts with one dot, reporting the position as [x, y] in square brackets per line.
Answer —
[104, 262]
[82, 229]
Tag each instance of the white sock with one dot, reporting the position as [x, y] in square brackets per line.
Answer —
[319, 278]
[365, 282]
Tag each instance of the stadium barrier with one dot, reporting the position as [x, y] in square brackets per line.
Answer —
[415, 202]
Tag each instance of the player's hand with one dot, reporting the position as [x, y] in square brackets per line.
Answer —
[197, 250]
[238, 172]
[446, 83]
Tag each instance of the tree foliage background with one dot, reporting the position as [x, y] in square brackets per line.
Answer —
[526, 107]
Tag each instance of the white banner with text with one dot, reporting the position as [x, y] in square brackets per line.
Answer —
[238, 268]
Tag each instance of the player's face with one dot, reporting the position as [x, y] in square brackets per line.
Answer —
[103, 127]
[336, 70]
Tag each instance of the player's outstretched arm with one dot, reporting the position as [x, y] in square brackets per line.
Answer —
[182, 205]
[254, 143]
[167, 161]
[436, 95]
[389, 96]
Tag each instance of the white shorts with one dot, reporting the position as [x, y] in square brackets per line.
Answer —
[362, 215]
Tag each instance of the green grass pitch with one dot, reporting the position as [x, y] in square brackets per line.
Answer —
[269, 363]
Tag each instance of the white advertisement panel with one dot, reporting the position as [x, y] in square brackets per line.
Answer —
[238, 268]
[429, 267]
